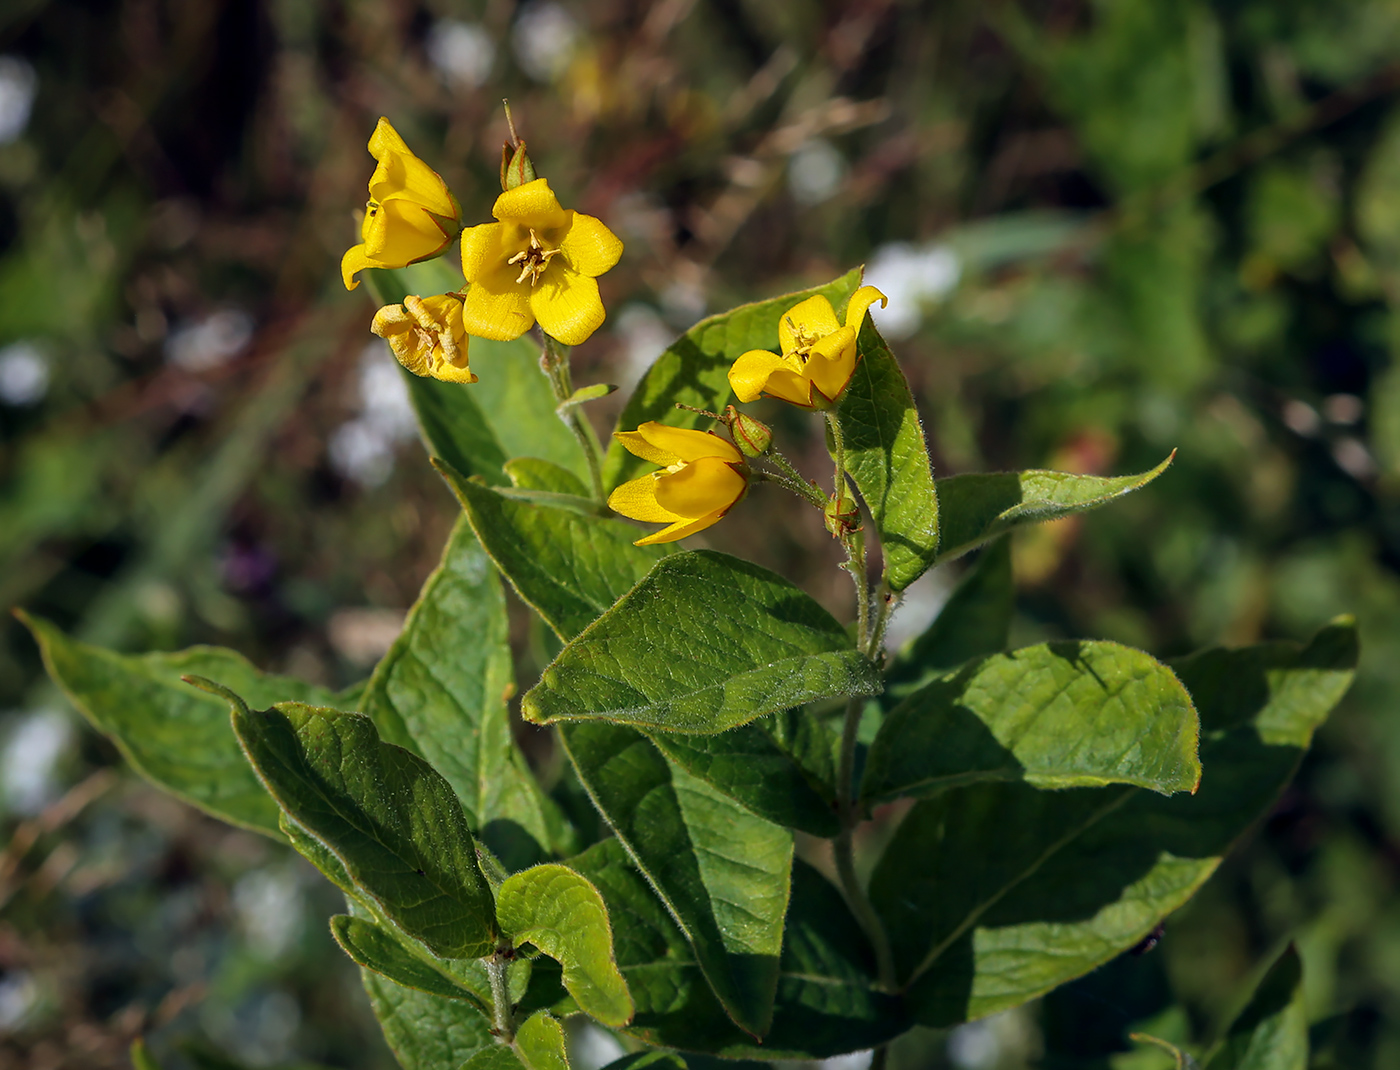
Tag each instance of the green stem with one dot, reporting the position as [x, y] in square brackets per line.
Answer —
[504, 1013]
[838, 454]
[884, 605]
[791, 479]
[554, 359]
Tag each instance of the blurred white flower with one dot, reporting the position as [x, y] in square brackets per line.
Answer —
[28, 767]
[910, 276]
[269, 903]
[18, 996]
[815, 172]
[544, 39]
[644, 337]
[463, 52]
[923, 600]
[362, 448]
[212, 341]
[18, 87]
[24, 374]
[591, 1047]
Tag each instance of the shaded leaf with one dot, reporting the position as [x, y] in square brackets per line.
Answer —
[694, 370]
[395, 825]
[1271, 1032]
[372, 948]
[648, 1060]
[1056, 715]
[174, 735]
[704, 643]
[540, 1043]
[996, 893]
[563, 915]
[532, 473]
[979, 506]
[888, 459]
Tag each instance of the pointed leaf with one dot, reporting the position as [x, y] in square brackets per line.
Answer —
[441, 692]
[996, 893]
[1056, 715]
[888, 459]
[569, 567]
[974, 622]
[375, 949]
[532, 473]
[722, 872]
[1271, 1032]
[695, 369]
[563, 915]
[826, 1004]
[704, 643]
[395, 825]
[585, 394]
[981, 505]
[174, 735]
[539, 1042]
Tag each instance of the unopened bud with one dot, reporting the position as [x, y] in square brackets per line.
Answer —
[516, 166]
[842, 516]
[753, 437]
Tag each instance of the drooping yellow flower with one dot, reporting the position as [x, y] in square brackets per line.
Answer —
[411, 214]
[426, 335]
[539, 262]
[819, 354]
[701, 478]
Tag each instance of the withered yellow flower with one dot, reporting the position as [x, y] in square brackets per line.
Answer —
[701, 478]
[538, 262]
[411, 214]
[426, 335]
[818, 358]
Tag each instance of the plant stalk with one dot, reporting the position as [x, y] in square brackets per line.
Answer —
[554, 360]
[503, 1012]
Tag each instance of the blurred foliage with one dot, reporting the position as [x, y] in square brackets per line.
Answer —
[1132, 224]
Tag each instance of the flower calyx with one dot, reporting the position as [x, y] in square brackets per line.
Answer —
[842, 516]
[702, 477]
[516, 166]
[753, 437]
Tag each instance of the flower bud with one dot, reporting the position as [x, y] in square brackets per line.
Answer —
[842, 516]
[516, 166]
[751, 436]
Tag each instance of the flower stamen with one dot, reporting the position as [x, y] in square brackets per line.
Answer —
[533, 259]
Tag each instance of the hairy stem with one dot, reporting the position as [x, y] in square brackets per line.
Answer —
[791, 479]
[503, 1012]
[554, 359]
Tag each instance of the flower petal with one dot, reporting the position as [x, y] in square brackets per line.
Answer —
[814, 317]
[482, 250]
[688, 445]
[707, 486]
[637, 499]
[680, 529]
[861, 300]
[567, 304]
[354, 261]
[398, 233]
[636, 445]
[832, 362]
[532, 204]
[749, 374]
[589, 245]
[402, 175]
[497, 306]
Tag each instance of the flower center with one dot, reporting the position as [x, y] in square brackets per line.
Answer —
[533, 259]
[803, 340]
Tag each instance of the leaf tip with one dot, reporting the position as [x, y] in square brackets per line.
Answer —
[218, 690]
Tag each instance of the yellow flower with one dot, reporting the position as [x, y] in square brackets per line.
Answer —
[426, 335]
[819, 354]
[411, 214]
[702, 477]
[540, 262]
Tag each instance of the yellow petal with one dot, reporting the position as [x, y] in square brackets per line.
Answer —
[452, 373]
[813, 316]
[482, 250]
[861, 300]
[680, 529]
[532, 204]
[590, 246]
[396, 326]
[636, 445]
[353, 262]
[688, 445]
[832, 362]
[385, 140]
[749, 374]
[637, 499]
[402, 175]
[398, 233]
[497, 306]
[567, 304]
[706, 486]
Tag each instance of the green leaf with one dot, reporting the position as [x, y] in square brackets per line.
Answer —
[648, 1060]
[455, 429]
[540, 1042]
[721, 871]
[427, 1032]
[532, 473]
[981, 505]
[496, 1057]
[141, 1058]
[586, 394]
[372, 948]
[887, 458]
[704, 643]
[563, 915]
[174, 735]
[395, 824]
[1271, 1032]
[1056, 715]
[751, 767]
[695, 369]
[441, 692]
[974, 622]
[997, 892]
[569, 567]
[825, 1003]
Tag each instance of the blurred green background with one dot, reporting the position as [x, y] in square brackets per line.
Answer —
[1108, 228]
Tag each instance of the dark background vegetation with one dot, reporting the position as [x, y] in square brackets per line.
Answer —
[1126, 226]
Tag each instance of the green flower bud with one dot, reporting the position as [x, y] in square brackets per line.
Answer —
[516, 166]
[752, 436]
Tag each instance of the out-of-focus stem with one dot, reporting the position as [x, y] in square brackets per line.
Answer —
[503, 1013]
[554, 359]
